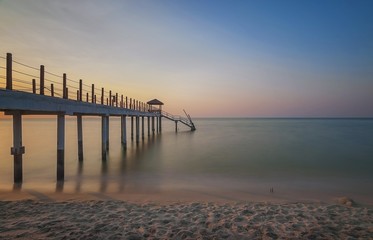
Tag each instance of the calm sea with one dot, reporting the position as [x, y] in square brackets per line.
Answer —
[311, 158]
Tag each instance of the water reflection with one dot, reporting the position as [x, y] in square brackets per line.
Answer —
[59, 186]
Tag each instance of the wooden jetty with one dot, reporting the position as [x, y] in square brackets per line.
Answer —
[26, 97]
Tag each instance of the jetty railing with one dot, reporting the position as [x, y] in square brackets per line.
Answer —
[19, 76]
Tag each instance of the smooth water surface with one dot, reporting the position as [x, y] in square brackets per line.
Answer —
[313, 157]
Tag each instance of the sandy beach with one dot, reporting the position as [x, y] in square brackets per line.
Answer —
[82, 217]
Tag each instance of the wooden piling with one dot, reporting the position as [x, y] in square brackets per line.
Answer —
[103, 137]
[107, 132]
[123, 130]
[142, 128]
[9, 72]
[157, 124]
[41, 80]
[137, 129]
[176, 126]
[17, 150]
[60, 147]
[148, 126]
[160, 124]
[153, 130]
[80, 137]
[131, 127]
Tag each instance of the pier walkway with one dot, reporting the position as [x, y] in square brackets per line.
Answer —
[58, 95]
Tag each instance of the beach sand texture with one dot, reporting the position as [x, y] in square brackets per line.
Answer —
[96, 219]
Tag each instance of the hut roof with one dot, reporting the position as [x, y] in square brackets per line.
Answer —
[155, 102]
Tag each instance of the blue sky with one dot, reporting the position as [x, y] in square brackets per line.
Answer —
[213, 58]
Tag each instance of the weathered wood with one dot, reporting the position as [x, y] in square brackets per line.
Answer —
[64, 86]
[33, 86]
[80, 137]
[41, 80]
[93, 93]
[60, 147]
[123, 131]
[9, 72]
[80, 98]
[52, 90]
[103, 137]
[17, 150]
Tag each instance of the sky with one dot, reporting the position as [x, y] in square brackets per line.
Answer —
[212, 58]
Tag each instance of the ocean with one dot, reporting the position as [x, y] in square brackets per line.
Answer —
[300, 159]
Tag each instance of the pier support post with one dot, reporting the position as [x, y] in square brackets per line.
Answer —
[153, 125]
[123, 130]
[137, 129]
[176, 126]
[17, 150]
[80, 137]
[142, 128]
[107, 133]
[103, 137]
[132, 128]
[60, 147]
[160, 124]
[148, 126]
[157, 124]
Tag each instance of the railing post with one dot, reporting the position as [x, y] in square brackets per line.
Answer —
[41, 80]
[77, 95]
[121, 101]
[126, 102]
[80, 90]
[93, 93]
[33, 86]
[52, 90]
[116, 99]
[64, 90]
[87, 97]
[9, 72]
[110, 98]
[102, 96]
[67, 93]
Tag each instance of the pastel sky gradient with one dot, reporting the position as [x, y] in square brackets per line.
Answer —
[213, 58]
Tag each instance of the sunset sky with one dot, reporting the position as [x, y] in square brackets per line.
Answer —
[213, 58]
